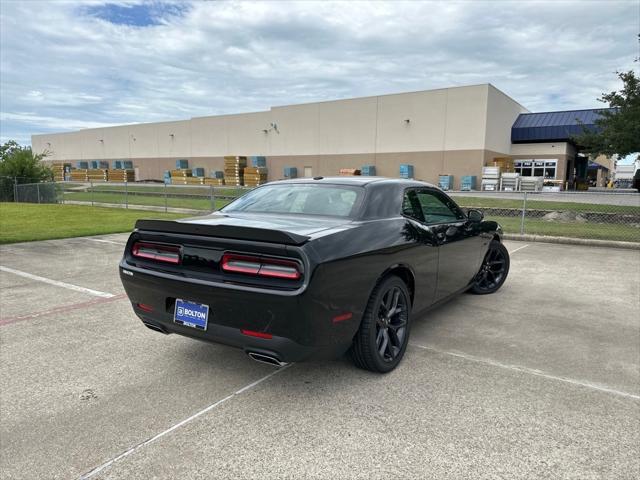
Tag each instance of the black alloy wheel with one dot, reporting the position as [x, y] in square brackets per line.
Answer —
[494, 270]
[382, 339]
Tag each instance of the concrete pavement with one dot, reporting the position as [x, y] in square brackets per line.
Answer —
[541, 379]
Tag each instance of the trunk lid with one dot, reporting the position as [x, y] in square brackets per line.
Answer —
[284, 229]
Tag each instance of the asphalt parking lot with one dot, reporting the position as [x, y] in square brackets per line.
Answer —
[539, 380]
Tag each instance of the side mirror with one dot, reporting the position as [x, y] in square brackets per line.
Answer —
[475, 216]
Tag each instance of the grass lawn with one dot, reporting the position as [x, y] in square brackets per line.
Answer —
[25, 222]
[596, 231]
[487, 202]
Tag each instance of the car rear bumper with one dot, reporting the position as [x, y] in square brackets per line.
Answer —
[299, 327]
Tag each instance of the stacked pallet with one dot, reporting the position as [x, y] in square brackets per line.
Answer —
[505, 164]
[180, 175]
[254, 176]
[234, 170]
[192, 181]
[97, 175]
[490, 178]
[349, 171]
[78, 175]
[121, 175]
[59, 169]
[213, 181]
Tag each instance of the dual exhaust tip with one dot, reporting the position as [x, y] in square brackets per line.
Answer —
[265, 358]
[258, 357]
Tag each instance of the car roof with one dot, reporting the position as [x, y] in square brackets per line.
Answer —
[356, 180]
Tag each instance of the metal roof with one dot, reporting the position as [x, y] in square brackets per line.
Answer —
[553, 126]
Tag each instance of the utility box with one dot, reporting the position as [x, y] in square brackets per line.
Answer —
[468, 182]
[445, 182]
[258, 161]
[406, 171]
[368, 170]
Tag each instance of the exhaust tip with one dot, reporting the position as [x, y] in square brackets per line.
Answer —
[264, 358]
[155, 328]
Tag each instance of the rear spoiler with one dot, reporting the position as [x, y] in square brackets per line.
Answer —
[223, 231]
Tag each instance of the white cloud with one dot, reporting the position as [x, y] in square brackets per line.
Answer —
[68, 69]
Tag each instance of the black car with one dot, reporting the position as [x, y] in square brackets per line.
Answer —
[313, 267]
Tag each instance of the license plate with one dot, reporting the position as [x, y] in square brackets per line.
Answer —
[191, 314]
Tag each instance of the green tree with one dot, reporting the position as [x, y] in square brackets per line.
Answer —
[18, 165]
[617, 131]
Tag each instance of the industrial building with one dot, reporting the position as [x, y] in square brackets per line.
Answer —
[450, 131]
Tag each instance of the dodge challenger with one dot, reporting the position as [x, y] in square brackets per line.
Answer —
[313, 267]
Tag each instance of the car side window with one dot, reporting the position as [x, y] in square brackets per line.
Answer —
[437, 208]
[411, 206]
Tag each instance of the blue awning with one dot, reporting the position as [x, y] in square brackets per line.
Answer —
[553, 126]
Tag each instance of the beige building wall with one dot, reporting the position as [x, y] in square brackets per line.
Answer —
[502, 112]
[445, 131]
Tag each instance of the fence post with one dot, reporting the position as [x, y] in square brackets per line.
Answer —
[38, 191]
[126, 195]
[212, 197]
[165, 199]
[15, 189]
[91, 183]
[524, 211]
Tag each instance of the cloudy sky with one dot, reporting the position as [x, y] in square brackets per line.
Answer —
[72, 65]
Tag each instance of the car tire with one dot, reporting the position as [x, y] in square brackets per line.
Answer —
[382, 338]
[494, 270]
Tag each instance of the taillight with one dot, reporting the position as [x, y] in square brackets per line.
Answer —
[253, 333]
[157, 252]
[260, 266]
[144, 307]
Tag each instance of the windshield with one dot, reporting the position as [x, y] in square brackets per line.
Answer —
[304, 199]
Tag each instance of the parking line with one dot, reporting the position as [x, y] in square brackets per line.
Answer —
[519, 248]
[68, 286]
[530, 371]
[61, 309]
[180, 424]
[122, 244]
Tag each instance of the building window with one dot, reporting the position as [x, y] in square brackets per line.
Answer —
[550, 169]
[536, 168]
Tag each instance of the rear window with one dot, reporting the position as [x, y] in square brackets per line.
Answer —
[304, 199]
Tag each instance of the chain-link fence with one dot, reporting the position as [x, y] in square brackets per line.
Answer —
[44, 192]
[158, 197]
[9, 188]
[590, 215]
